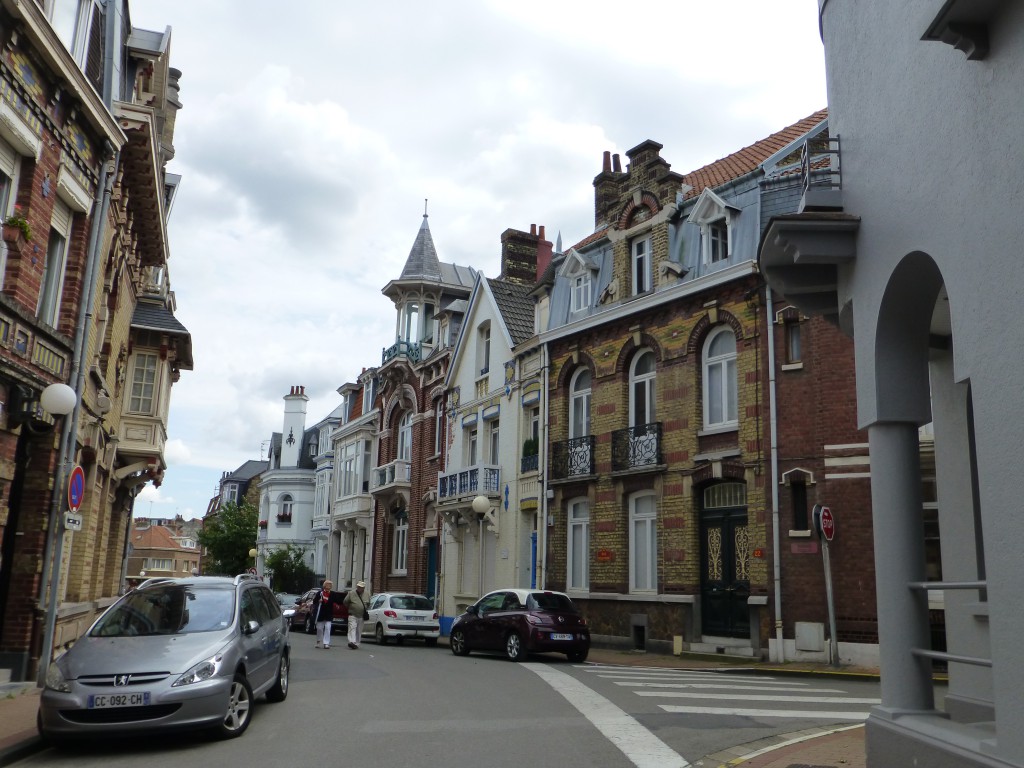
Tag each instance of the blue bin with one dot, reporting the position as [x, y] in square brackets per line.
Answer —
[446, 625]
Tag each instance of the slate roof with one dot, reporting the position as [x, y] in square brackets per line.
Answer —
[249, 470]
[422, 261]
[151, 316]
[516, 307]
[749, 158]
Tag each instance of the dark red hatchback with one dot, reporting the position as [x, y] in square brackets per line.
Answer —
[522, 621]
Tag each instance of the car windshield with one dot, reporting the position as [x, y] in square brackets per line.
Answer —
[411, 603]
[549, 601]
[174, 609]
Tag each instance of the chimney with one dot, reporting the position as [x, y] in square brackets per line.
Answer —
[519, 256]
[294, 427]
[616, 163]
[543, 255]
[606, 165]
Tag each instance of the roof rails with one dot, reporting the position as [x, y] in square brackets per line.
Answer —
[246, 577]
[155, 580]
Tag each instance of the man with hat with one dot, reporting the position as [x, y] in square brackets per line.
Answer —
[357, 614]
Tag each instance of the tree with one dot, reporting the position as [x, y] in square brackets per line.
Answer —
[227, 537]
[288, 570]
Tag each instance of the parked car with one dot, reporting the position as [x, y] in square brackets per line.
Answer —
[303, 619]
[175, 653]
[401, 615]
[522, 621]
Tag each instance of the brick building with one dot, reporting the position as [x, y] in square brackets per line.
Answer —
[86, 301]
[694, 419]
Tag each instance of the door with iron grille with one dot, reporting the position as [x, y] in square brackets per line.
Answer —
[725, 561]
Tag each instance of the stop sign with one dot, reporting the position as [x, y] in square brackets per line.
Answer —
[828, 524]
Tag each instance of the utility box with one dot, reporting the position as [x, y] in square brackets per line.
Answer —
[810, 636]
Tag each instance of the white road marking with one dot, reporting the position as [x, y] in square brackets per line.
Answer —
[754, 697]
[703, 686]
[793, 713]
[639, 745]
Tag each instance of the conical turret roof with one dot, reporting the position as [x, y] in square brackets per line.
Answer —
[422, 261]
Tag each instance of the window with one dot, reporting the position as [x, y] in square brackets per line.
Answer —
[325, 440]
[533, 424]
[471, 448]
[405, 437]
[349, 465]
[581, 292]
[578, 556]
[641, 265]
[579, 413]
[229, 493]
[932, 548]
[492, 440]
[720, 388]
[798, 497]
[285, 515]
[411, 319]
[9, 161]
[714, 217]
[400, 548]
[643, 543]
[143, 383]
[428, 325]
[641, 389]
[78, 23]
[438, 427]
[792, 328]
[483, 350]
[157, 564]
[52, 282]
[718, 241]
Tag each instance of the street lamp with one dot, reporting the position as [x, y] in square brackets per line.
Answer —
[481, 504]
[253, 554]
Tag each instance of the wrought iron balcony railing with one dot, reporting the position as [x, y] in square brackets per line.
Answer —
[636, 447]
[409, 349]
[469, 481]
[570, 458]
[529, 463]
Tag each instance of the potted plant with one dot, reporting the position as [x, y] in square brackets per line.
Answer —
[263, 523]
[16, 225]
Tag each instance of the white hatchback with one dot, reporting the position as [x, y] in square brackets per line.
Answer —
[400, 615]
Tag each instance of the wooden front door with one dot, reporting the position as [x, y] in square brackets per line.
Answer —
[725, 563]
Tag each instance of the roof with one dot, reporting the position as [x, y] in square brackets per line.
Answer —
[154, 537]
[249, 470]
[151, 316]
[516, 308]
[422, 261]
[748, 159]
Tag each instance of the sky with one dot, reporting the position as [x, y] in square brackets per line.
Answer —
[310, 139]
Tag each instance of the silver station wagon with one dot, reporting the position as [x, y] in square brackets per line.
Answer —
[174, 653]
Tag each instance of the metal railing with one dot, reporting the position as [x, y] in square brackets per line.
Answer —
[389, 474]
[814, 171]
[469, 481]
[635, 447]
[409, 349]
[927, 653]
[573, 457]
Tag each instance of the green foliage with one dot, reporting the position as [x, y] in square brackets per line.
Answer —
[228, 536]
[19, 222]
[530, 447]
[288, 570]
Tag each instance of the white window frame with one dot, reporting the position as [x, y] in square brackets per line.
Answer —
[438, 427]
[715, 217]
[229, 493]
[10, 165]
[484, 349]
[577, 577]
[349, 465]
[581, 291]
[643, 543]
[287, 506]
[640, 264]
[728, 386]
[405, 437]
[494, 441]
[472, 438]
[73, 26]
[642, 384]
[142, 398]
[579, 404]
[400, 546]
[51, 284]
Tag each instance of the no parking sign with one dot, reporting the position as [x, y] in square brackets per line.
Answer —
[76, 488]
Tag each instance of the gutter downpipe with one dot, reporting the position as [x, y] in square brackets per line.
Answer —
[69, 432]
[542, 539]
[774, 437]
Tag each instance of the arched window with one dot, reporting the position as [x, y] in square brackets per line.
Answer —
[284, 515]
[579, 412]
[405, 437]
[578, 556]
[720, 385]
[641, 389]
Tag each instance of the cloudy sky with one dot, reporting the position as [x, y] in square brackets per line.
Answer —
[310, 138]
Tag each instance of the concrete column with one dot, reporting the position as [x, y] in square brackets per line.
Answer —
[899, 560]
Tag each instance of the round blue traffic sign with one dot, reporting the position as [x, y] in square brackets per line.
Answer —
[76, 488]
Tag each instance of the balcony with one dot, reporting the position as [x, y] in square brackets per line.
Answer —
[393, 476]
[636, 447]
[407, 349]
[529, 464]
[572, 458]
[481, 479]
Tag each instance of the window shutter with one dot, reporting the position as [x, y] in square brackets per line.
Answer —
[61, 219]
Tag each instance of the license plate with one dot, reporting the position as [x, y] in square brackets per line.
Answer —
[414, 618]
[108, 700]
[557, 636]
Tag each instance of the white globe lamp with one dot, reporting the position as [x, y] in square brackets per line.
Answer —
[481, 504]
[58, 399]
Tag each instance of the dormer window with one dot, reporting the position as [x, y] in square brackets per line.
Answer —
[581, 292]
[715, 218]
[641, 265]
[483, 348]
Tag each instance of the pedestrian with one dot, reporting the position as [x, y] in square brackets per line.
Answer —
[324, 603]
[357, 614]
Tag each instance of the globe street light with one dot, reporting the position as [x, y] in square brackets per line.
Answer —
[253, 553]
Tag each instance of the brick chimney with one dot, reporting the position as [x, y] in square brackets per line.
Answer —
[519, 255]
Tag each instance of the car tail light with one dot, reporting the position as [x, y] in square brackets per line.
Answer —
[391, 614]
[434, 617]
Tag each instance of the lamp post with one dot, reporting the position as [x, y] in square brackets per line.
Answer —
[59, 400]
[480, 505]
[253, 553]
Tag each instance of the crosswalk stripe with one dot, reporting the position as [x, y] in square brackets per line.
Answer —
[790, 713]
[754, 697]
[705, 686]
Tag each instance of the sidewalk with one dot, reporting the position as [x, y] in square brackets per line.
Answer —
[838, 747]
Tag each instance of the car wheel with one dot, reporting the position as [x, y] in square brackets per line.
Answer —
[382, 639]
[577, 657]
[279, 691]
[239, 711]
[310, 627]
[48, 738]
[430, 641]
[458, 643]
[514, 647]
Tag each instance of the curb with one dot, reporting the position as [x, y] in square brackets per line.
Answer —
[25, 748]
[778, 742]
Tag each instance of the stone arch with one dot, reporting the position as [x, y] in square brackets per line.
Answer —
[573, 364]
[640, 202]
[707, 323]
[403, 400]
[636, 342]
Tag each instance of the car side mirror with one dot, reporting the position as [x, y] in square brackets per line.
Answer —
[473, 609]
[251, 628]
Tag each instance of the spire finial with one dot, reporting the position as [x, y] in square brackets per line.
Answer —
[424, 207]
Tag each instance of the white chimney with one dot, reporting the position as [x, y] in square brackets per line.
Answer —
[294, 426]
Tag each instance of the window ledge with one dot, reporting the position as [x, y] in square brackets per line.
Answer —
[718, 430]
[792, 366]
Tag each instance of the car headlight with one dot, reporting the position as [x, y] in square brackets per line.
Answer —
[55, 680]
[288, 612]
[204, 670]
